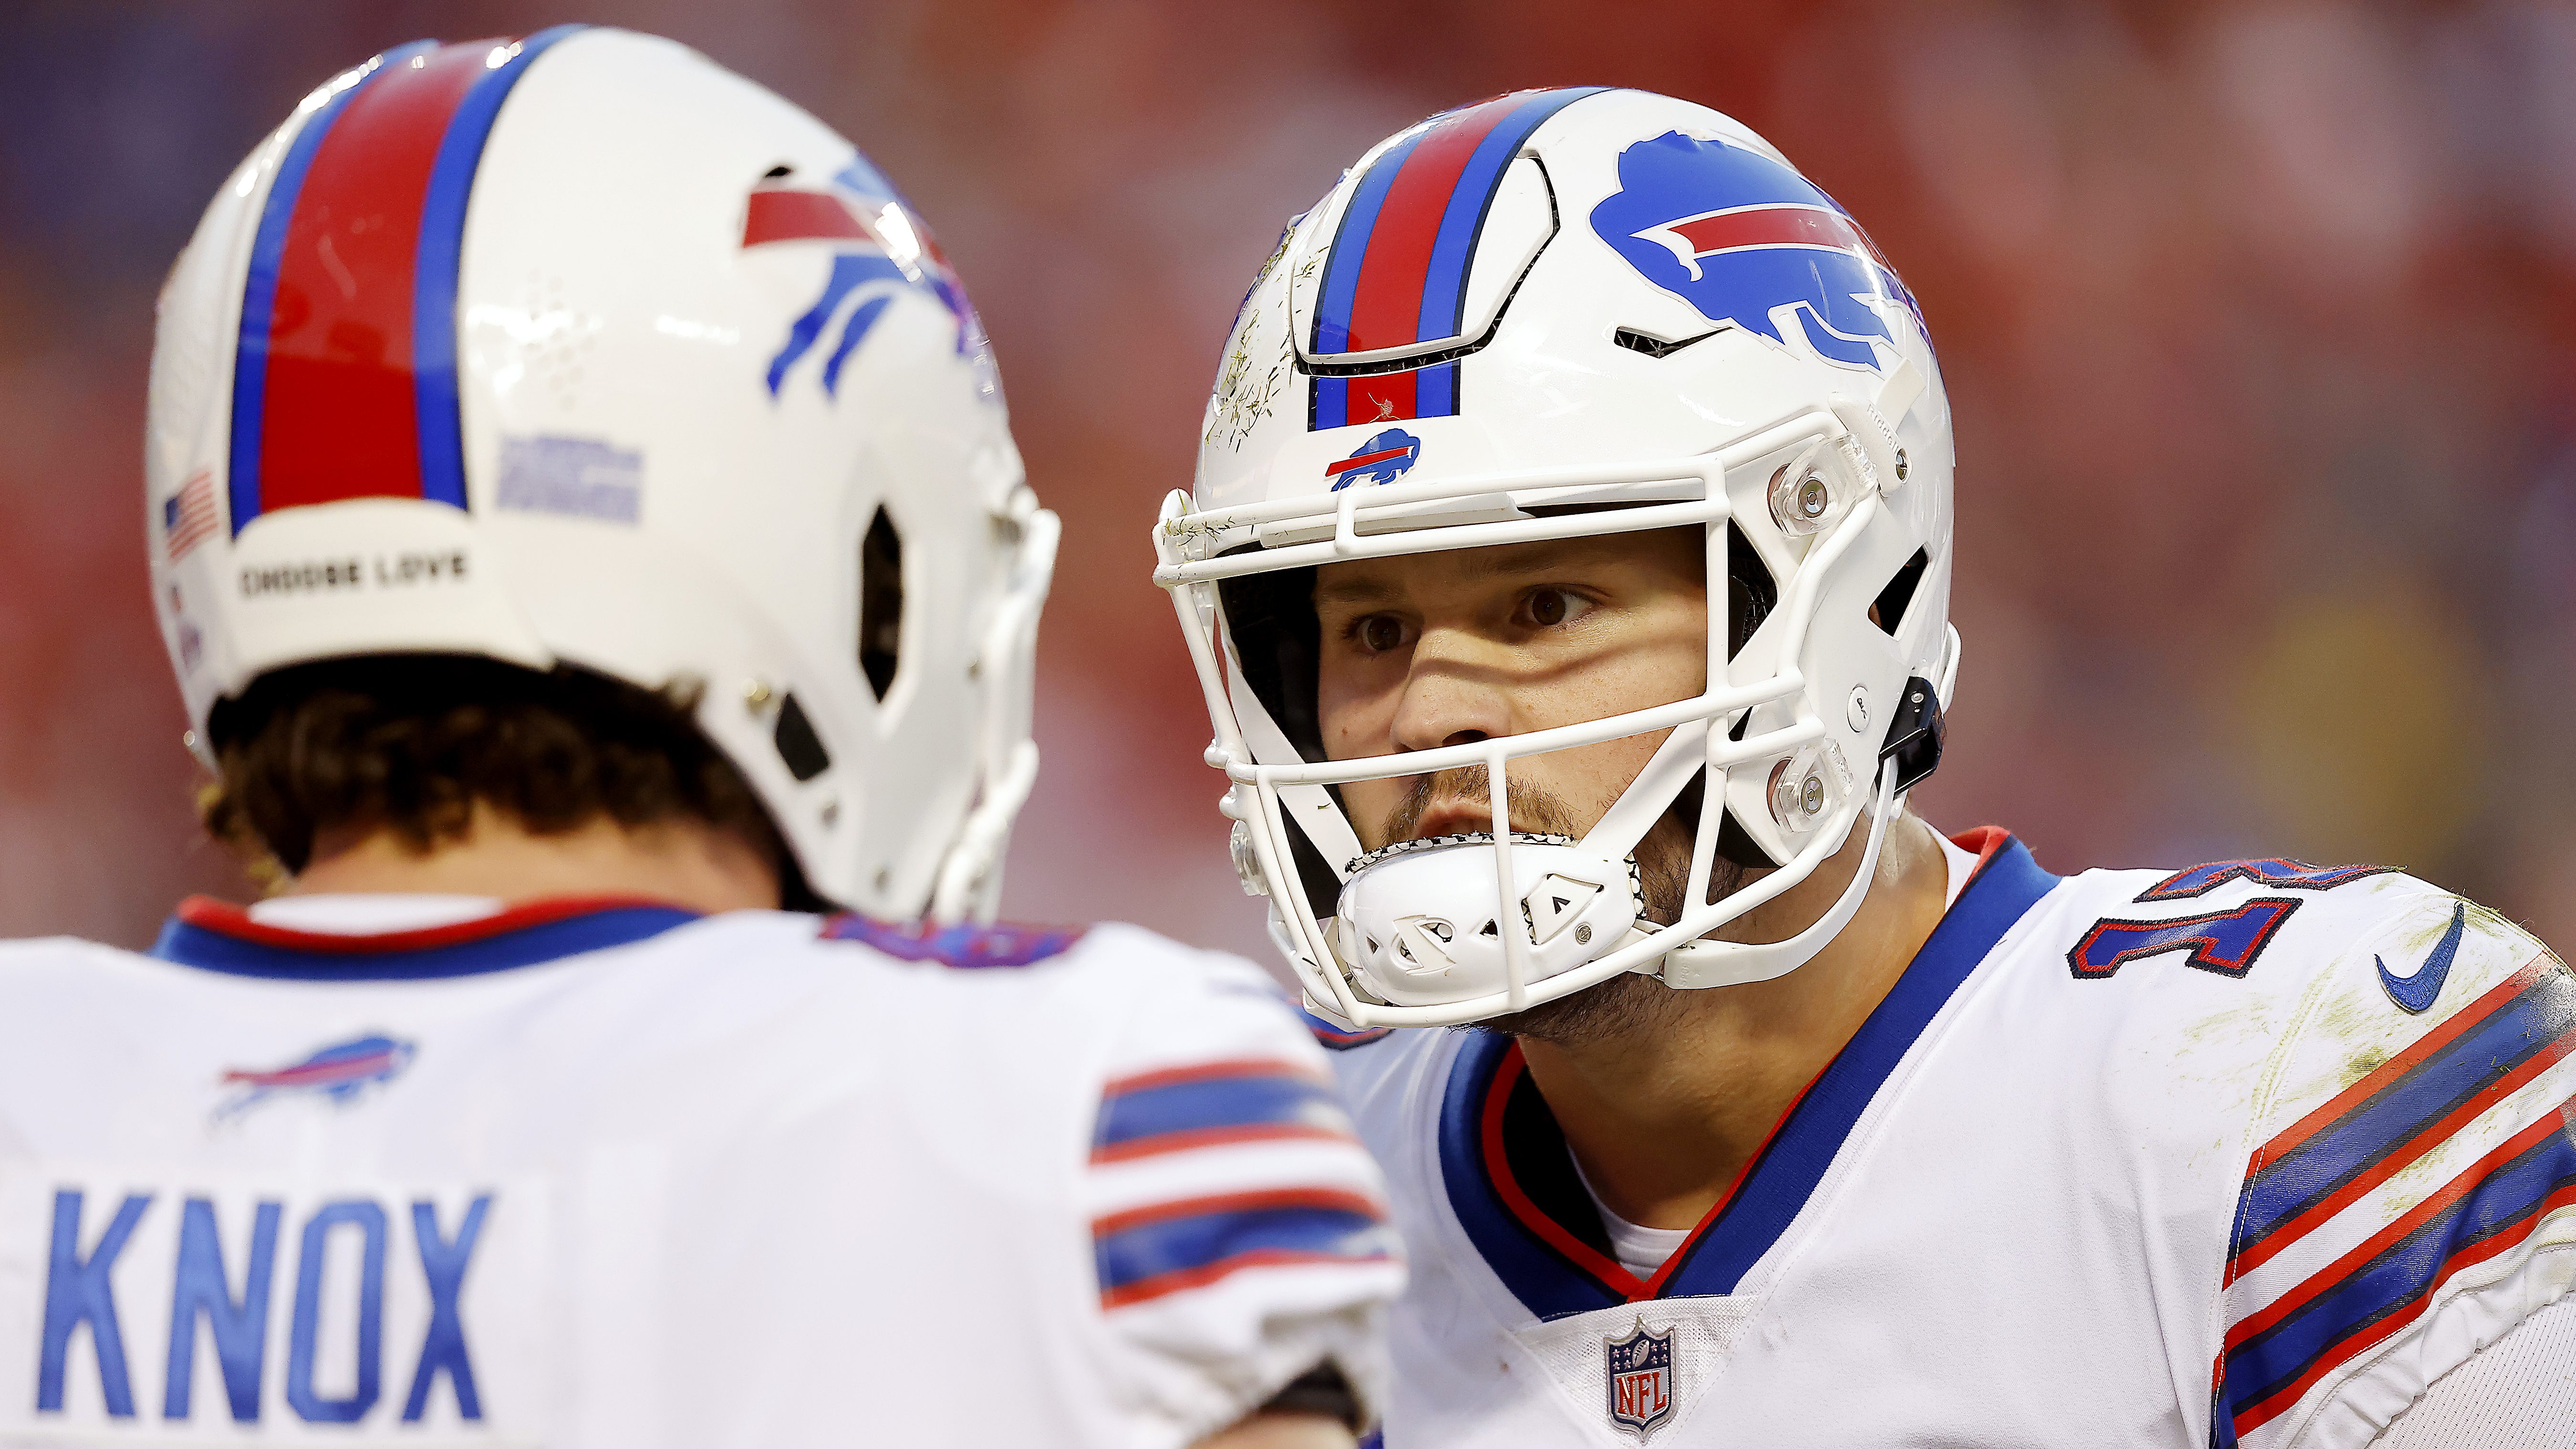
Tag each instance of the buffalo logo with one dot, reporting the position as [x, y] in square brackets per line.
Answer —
[881, 249]
[1743, 238]
[1384, 458]
[1640, 1374]
[340, 1073]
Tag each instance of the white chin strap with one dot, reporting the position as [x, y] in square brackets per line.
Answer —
[970, 881]
[1706, 963]
[969, 885]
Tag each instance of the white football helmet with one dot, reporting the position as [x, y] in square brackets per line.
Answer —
[1560, 314]
[579, 349]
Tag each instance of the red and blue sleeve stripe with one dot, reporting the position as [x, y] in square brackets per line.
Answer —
[1152, 1251]
[1397, 272]
[344, 377]
[2410, 1105]
[2392, 1119]
[1215, 1104]
[1339, 1038]
[2273, 1358]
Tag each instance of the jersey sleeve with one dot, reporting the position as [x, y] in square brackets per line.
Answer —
[2411, 1195]
[2520, 1392]
[1239, 1229]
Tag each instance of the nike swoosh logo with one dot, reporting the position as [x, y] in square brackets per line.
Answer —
[2415, 993]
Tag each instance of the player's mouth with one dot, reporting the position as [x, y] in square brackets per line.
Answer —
[1455, 803]
[1469, 818]
[1461, 817]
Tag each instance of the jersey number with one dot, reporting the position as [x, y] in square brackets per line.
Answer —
[2222, 941]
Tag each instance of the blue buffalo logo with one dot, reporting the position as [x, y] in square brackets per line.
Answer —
[1740, 236]
[339, 1073]
[880, 246]
[1382, 459]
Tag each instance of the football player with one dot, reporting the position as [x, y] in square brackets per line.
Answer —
[1568, 577]
[584, 521]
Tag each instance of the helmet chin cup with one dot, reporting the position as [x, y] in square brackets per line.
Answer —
[1425, 922]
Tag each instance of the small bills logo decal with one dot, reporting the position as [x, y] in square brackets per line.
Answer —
[1384, 458]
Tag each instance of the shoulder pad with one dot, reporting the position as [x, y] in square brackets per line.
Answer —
[965, 946]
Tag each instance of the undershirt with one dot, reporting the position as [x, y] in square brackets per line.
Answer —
[356, 913]
[1643, 1250]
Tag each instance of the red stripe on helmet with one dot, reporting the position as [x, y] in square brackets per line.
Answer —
[1386, 307]
[799, 216]
[340, 418]
[1383, 397]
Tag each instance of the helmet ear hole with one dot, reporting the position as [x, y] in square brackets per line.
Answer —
[800, 749]
[1887, 611]
[880, 602]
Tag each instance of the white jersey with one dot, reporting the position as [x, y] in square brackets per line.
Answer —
[610, 1174]
[2249, 1153]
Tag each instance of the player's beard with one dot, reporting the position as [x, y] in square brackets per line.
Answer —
[1625, 1004]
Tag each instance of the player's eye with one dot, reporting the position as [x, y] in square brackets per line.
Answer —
[1380, 633]
[1546, 608]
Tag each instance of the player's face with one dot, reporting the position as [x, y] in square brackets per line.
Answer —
[1474, 644]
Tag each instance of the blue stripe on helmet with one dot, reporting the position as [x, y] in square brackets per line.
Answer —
[1330, 404]
[259, 290]
[438, 260]
[1435, 392]
[1453, 248]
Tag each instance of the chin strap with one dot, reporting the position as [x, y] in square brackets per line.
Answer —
[970, 882]
[969, 887]
[1701, 964]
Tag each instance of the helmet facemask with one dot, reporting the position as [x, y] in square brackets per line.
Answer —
[1772, 764]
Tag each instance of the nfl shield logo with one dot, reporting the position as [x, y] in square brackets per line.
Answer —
[1640, 1375]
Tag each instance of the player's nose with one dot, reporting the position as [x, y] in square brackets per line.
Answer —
[1453, 694]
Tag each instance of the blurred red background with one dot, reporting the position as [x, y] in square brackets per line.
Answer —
[2259, 320]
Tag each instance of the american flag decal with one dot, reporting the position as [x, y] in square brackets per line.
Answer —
[188, 517]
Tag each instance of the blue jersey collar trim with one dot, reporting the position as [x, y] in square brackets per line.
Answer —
[212, 936]
[1547, 1270]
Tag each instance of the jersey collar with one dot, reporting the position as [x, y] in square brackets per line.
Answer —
[1504, 1162]
[217, 936]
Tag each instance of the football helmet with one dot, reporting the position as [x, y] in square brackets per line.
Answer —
[579, 349]
[1561, 314]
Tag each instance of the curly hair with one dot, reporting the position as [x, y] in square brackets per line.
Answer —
[412, 743]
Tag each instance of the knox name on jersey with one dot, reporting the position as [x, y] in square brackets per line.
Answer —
[610, 1173]
[2244, 1154]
